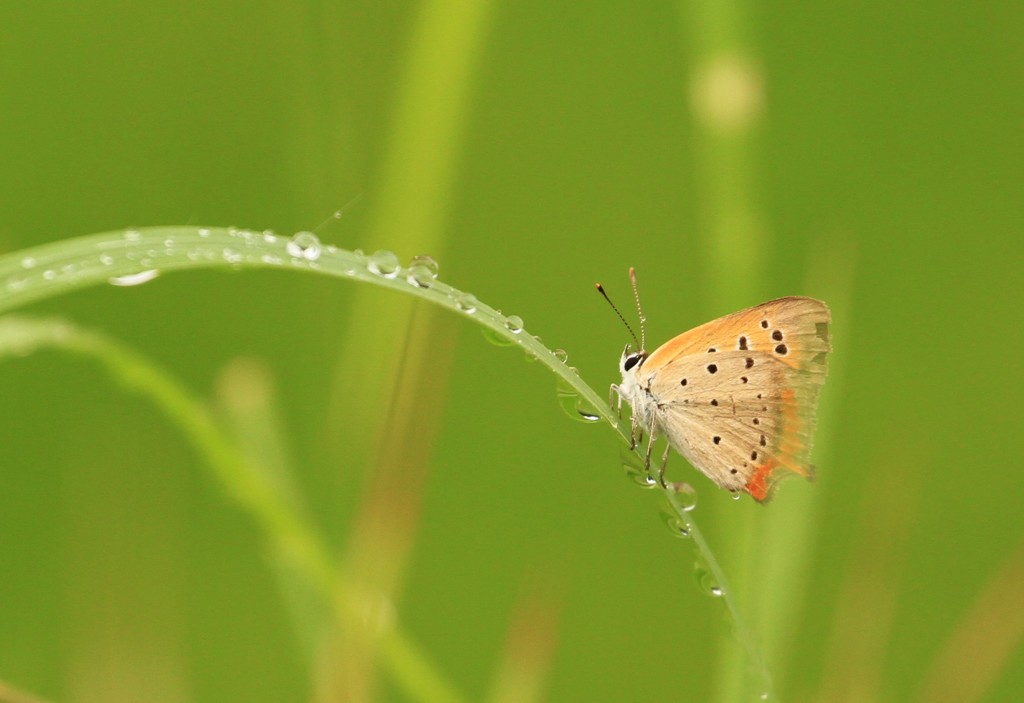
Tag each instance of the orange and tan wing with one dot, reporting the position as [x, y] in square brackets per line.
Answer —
[740, 393]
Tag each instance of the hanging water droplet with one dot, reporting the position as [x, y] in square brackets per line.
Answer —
[641, 478]
[685, 496]
[134, 279]
[496, 338]
[675, 524]
[561, 355]
[466, 302]
[28, 262]
[422, 271]
[735, 495]
[707, 582]
[304, 245]
[635, 470]
[383, 263]
[514, 324]
[574, 406]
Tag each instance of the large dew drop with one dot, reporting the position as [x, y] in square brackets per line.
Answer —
[466, 302]
[684, 496]
[304, 245]
[422, 271]
[384, 263]
[575, 406]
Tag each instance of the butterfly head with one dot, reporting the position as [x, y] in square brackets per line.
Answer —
[631, 361]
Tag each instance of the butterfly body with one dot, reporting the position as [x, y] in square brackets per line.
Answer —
[736, 396]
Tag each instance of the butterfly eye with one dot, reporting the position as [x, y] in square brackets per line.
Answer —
[632, 361]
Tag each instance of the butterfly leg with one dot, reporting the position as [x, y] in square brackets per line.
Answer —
[664, 465]
[636, 435]
[613, 392]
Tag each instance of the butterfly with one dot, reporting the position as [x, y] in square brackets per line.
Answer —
[736, 396]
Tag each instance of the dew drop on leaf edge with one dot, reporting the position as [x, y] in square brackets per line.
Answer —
[304, 245]
[685, 496]
[514, 324]
[422, 271]
[466, 302]
[383, 263]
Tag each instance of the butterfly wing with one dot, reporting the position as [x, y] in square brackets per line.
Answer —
[737, 396]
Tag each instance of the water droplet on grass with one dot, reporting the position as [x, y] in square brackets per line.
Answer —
[707, 582]
[573, 404]
[304, 245]
[685, 496]
[384, 263]
[28, 262]
[496, 338]
[466, 302]
[514, 324]
[422, 271]
[677, 526]
[134, 279]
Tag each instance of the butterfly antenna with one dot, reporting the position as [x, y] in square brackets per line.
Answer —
[639, 310]
[600, 289]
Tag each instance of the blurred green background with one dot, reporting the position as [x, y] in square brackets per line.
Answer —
[867, 153]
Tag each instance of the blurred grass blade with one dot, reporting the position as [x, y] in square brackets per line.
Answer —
[788, 536]
[388, 516]
[856, 654]
[384, 396]
[9, 694]
[409, 207]
[529, 649]
[725, 90]
[246, 401]
[286, 530]
[979, 649]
